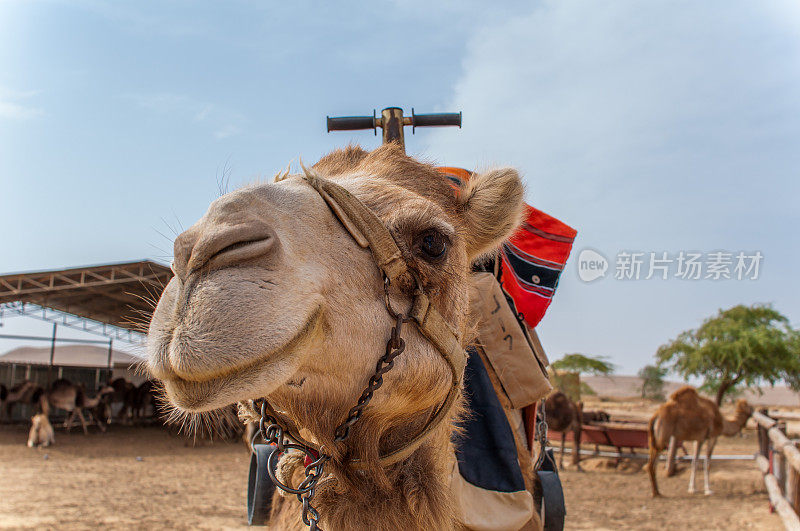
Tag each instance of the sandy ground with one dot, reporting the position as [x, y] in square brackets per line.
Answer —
[87, 482]
[605, 496]
[141, 478]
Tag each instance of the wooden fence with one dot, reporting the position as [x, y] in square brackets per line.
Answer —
[779, 460]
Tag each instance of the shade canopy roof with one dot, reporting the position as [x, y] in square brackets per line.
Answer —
[121, 294]
[69, 356]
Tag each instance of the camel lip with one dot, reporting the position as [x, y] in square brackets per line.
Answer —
[184, 377]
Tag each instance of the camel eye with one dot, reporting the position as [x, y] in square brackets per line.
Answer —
[432, 244]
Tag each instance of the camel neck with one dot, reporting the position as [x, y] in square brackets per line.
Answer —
[412, 494]
[732, 426]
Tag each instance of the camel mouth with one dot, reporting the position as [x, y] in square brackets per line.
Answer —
[202, 391]
[200, 376]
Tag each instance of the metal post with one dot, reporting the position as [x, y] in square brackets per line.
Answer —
[392, 118]
[52, 355]
[110, 345]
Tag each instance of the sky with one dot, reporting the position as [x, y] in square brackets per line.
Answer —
[650, 127]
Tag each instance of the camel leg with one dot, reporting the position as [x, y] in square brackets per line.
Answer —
[83, 420]
[69, 420]
[709, 451]
[695, 457]
[669, 466]
[576, 447]
[100, 423]
[651, 468]
[563, 443]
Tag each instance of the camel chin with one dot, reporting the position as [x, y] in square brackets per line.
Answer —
[206, 364]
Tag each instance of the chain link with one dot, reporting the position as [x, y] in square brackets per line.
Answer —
[541, 434]
[394, 347]
[271, 431]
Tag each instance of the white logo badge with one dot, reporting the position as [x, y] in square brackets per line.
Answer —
[591, 265]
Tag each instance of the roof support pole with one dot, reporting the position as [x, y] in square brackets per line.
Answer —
[110, 346]
[52, 355]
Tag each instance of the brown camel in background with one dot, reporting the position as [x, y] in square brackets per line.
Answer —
[143, 396]
[63, 394]
[24, 392]
[687, 416]
[562, 414]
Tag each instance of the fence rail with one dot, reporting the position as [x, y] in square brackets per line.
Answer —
[779, 462]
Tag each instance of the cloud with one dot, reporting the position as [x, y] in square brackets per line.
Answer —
[12, 109]
[161, 21]
[226, 131]
[221, 122]
[15, 111]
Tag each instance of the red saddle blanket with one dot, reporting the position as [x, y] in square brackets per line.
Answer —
[532, 259]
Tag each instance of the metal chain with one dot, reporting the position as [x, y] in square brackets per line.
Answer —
[273, 433]
[394, 347]
[541, 434]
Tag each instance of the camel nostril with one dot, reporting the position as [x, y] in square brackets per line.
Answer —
[230, 245]
[182, 251]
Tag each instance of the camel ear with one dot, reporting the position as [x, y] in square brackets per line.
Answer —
[492, 204]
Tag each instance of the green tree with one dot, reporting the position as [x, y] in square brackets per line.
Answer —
[746, 345]
[565, 373]
[652, 381]
[580, 364]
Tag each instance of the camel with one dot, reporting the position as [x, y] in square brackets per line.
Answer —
[277, 294]
[41, 432]
[687, 416]
[563, 414]
[144, 396]
[24, 392]
[62, 394]
[124, 393]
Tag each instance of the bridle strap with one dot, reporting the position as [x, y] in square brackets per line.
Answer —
[368, 230]
[362, 224]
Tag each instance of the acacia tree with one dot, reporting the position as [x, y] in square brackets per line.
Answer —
[578, 363]
[566, 373]
[746, 345]
[652, 381]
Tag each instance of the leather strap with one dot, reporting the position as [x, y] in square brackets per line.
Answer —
[362, 224]
[440, 334]
[368, 230]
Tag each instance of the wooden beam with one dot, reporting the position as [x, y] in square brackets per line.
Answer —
[782, 444]
[790, 519]
[763, 420]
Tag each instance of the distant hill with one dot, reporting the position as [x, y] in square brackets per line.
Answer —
[631, 387]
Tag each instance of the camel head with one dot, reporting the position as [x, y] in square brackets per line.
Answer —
[743, 410]
[41, 432]
[273, 297]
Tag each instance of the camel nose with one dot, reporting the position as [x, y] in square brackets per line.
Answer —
[230, 233]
